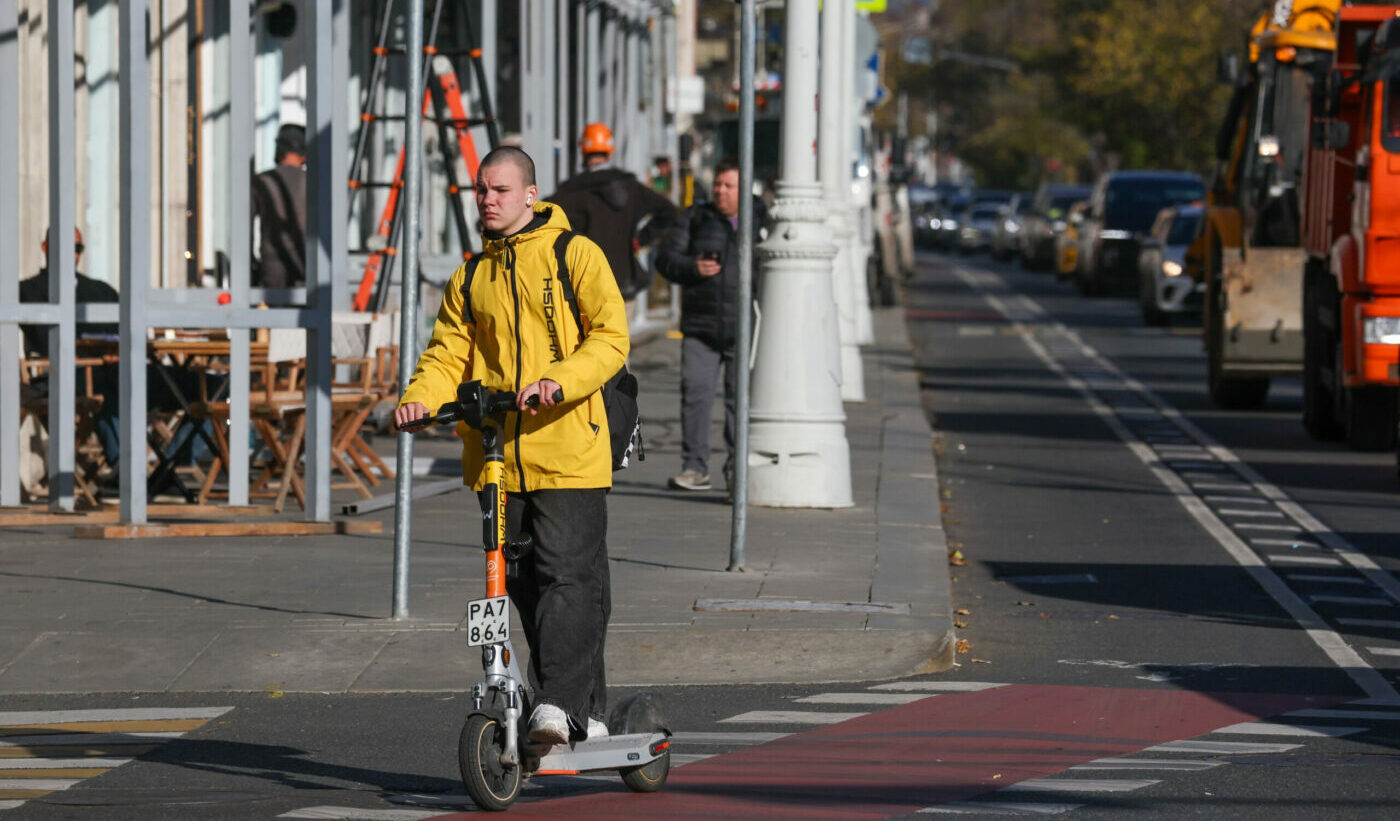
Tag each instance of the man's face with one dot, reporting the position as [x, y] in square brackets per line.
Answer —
[726, 193]
[503, 199]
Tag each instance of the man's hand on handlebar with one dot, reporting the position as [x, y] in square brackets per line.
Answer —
[409, 413]
[546, 393]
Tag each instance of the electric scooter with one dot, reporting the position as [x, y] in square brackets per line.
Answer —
[494, 752]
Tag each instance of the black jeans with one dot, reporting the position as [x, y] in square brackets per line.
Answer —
[562, 594]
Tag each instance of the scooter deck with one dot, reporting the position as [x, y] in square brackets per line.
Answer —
[611, 753]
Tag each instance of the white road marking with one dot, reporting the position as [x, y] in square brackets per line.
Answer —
[861, 698]
[84, 739]
[1243, 500]
[682, 759]
[355, 814]
[1263, 514]
[1220, 486]
[37, 783]
[1275, 528]
[976, 330]
[1080, 785]
[1298, 544]
[9, 804]
[1342, 654]
[1270, 728]
[1364, 601]
[1350, 715]
[789, 717]
[940, 686]
[1321, 561]
[1148, 764]
[1383, 651]
[684, 738]
[1370, 623]
[999, 808]
[61, 763]
[1222, 747]
[14, 719]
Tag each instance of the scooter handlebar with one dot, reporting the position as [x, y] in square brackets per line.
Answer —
[474, 404]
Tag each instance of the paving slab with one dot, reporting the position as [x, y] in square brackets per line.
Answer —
[311, 613]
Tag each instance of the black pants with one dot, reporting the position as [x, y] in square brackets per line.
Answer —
[700, 369]
[562, 594]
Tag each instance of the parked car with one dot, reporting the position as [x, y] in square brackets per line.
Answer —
[1067, 242]
[975, 226]
[1121, 211]
[1006, 236]
[1046, 220]
[1164, 285]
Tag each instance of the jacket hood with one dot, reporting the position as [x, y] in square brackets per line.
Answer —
[549, 221]
[607, 184]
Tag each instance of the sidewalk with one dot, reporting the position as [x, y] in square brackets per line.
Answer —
[849, 594]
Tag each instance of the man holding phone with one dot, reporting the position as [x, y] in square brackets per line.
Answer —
[701, 254]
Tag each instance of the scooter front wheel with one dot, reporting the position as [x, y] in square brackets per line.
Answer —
[650, 777]
[491, 784]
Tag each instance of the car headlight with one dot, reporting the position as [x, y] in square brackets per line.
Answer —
[1171, 268]
[1113, 233]
[922, 222]
[951, 225]
[1381, 330]
[935, 223]
[1011, 226]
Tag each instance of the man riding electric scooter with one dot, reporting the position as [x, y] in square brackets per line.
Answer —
[505, 322]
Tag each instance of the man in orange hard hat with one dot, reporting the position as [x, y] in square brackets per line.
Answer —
[615, 210]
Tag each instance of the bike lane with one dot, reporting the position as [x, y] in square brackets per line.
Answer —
[932, 751]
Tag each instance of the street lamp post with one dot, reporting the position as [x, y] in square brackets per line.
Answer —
[798, 454]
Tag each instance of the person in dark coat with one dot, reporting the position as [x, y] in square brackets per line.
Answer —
[609, 205]
[279, 206]
[701, 254]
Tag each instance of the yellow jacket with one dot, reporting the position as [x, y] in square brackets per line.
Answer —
[523, 332]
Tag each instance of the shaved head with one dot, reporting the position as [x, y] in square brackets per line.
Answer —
[510, 155]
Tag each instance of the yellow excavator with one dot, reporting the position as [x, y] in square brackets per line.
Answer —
[1249, 255]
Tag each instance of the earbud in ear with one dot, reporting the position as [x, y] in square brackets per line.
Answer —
[529, 200]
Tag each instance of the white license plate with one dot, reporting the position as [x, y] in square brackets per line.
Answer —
[488, 620]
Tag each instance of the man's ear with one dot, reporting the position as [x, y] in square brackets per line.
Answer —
[531, 194]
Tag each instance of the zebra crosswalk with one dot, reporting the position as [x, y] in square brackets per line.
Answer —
[44, 751]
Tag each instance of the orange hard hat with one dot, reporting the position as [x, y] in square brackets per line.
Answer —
[597, 139]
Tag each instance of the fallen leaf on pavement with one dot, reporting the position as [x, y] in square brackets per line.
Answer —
[962, 611]
[979, 661]
[963, 646]
[955, 558]
[1025, 604]
[959, 624]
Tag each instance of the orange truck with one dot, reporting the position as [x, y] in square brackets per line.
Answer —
[1351, 230]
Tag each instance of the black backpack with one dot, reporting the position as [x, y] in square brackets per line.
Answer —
[619, 392]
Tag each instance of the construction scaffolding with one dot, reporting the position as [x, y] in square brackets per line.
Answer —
[163, 191]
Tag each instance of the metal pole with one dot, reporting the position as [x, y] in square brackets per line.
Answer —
[9, 262]
[320, 187]
[408, 301]
[135, 276]
[743, 343]
[240, 146]
[61, 265]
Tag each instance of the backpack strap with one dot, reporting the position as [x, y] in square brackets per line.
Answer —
[566, 283]
[467, 315]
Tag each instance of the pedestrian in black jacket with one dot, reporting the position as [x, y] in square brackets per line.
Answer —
[701, 254]
[608, 205]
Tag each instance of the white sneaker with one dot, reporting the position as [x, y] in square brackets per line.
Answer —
[690, 479]
[596, 729]
[549, 725]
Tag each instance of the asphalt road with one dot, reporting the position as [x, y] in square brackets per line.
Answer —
[1136, 570]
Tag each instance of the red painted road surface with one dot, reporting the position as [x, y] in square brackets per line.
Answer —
[932, 751]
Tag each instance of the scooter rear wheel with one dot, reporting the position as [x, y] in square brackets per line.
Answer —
[491, 784]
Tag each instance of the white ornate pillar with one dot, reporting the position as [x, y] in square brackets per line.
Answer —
[861, 246]
[798, 454]
[833, 122]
